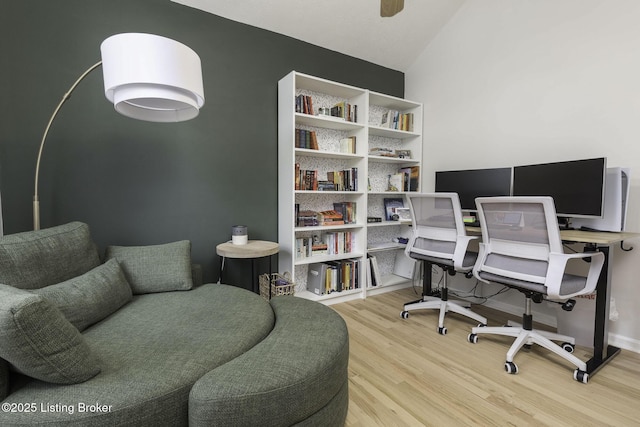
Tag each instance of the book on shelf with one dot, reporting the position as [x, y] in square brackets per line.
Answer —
[304, 104]
[333, 276]
[306, 139]
[330, 217]
[406, 179]
[305, 218]
[393, 119]
[347, 210]
[348, 145]
[390, 205]
[373, 271]
[331, 243]
[396, 182]
[344, 180]
[346, 111]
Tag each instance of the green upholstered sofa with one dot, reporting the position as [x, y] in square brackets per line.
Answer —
[131, 341]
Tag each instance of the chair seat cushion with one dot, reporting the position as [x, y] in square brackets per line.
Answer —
[570, 283]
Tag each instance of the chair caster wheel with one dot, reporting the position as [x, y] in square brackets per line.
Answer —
[568, 347]
[472, 338]
[442, 331]
[511, 367]
[482, 325]
[581, 376]
[404, 314]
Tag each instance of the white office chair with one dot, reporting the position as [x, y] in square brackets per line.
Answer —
[521, 249]
[439, 238]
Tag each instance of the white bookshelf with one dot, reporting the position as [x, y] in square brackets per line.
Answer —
[373, 238]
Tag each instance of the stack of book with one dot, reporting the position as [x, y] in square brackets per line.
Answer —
[331, 217]
[305, 218]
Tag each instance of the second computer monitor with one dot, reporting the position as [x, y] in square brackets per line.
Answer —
[473, 183]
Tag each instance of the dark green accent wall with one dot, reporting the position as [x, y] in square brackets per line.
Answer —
[138, 183]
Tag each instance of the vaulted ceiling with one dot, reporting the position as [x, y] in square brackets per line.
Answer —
[352, 27]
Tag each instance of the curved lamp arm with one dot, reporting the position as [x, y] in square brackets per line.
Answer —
[67, 95]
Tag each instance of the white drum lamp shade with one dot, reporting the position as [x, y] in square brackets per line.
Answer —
[147, 77]
[152, 78]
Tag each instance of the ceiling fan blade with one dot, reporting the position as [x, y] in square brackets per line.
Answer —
[390, 7]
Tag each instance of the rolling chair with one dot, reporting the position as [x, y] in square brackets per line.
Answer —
[439, 238]
[521, 248]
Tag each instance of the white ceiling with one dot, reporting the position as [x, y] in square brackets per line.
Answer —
[352, 27]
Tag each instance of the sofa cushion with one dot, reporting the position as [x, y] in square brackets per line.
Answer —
[35, 259]
[152, 351]
[155, 268]
[38, 341]
[87, 299]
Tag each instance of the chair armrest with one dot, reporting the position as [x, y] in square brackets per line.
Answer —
[557, 266]
[462, 243]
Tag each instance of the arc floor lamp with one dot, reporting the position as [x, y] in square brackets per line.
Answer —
[147, 77]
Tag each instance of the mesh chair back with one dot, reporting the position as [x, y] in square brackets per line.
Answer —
[518, 233]
[437, 223]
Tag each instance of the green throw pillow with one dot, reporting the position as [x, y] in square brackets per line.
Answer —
[35, 259]
[155, 268]
[38, 341]
[87, 299]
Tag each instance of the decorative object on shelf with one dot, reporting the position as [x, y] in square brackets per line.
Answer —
[239, 235]
[404, 214]
[147, 77]
[390, 206]
[396, 182]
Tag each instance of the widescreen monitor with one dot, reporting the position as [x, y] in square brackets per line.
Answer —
[577, 186]
[473, 183]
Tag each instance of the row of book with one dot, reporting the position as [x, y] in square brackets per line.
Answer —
[306, 139]
[335, 276]
[393, 119]
[304, 104]
[335, 243]
[342, 213]
[343, 110]
[343, 180]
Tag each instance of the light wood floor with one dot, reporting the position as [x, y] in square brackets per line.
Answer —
[403, 373]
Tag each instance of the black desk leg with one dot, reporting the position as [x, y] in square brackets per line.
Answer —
[602, 351]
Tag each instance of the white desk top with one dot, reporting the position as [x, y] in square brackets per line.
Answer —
[582, 236]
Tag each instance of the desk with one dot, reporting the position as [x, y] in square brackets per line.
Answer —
[600, 241]
[253, 250]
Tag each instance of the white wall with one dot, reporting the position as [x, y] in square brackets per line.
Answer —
[511, 82]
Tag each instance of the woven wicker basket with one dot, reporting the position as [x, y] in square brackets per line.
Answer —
[279, 284]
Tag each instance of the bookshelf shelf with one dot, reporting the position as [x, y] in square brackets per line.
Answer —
[326, 154]
[326, 122]
[382, 159]
[378, 121]
[327, 258]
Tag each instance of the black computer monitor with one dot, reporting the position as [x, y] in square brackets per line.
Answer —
[577, 186]
[473, 183]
